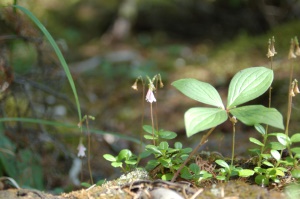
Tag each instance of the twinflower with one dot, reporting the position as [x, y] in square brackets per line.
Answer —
[81, 150]
[150, 96]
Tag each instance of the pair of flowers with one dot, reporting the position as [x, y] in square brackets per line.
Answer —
[150, 95]
[149, 98]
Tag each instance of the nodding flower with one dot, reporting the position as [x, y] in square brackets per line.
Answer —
[150, 95]
[271, 48]
[81, 150]
[292, 93]
[134, 86]
[296, 89]
[270, 53]
[291, 52]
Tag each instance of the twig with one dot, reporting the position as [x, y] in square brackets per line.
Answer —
[203, 141]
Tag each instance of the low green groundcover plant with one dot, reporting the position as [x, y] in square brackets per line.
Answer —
[245, 86]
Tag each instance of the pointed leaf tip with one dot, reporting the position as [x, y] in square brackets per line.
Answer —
[248, 84]
[258, 114]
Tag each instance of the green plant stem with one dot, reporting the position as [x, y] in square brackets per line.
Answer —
[203, 141]
[89, 150]
[233, 143]
[152, 122]
[289, 110]
[270, 89]
[265, 136]
[262, 148]
[156, 120]
[142, 119]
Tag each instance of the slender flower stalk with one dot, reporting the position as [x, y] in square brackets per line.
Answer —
[271, 53]
[135, 87]
[151, 98]
[233, 120]
[291, 94]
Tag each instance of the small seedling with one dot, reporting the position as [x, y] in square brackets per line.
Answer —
[246, 85]
[193, 172]
[167, 159]
[125, 160]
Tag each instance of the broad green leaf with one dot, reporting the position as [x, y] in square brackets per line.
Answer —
[276, 146]
[151, 164]
[222, 163]
[200, 119]
[153, 149]
[256, 141]
[246, 173]
[148, 129]
[275, 154]
[248, 84]
[131, 162]
[185, 173]
[261, 180]
[178, 145]
[282, 169]
[268, 163]
[167, 176]
[144, 154]
[194, 168]
[260, 129]
[295, 137]
[163, 146]
[116, 164]
[257, 151]
[260, 170]
[265, 155]
[279, 172]
[283, 139]
[204, 175]
[150, 137]
[109, 157]
[166, 162]
[199, 91]
[257, 114]
[168, 135]
[186, 150]
[221, 178]
[296, 173]
[85, 184]
[124, 154]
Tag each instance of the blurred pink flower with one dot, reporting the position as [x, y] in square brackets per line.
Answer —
[81, 150]
[150, 96]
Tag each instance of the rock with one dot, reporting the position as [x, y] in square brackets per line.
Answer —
[163, 193]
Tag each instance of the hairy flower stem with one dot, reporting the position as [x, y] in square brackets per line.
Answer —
[290, 98]
[265, 136]
[152, 122]
[89, 150]
[203, 141]
[155, 112]
[233, 143]
[142, 119]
